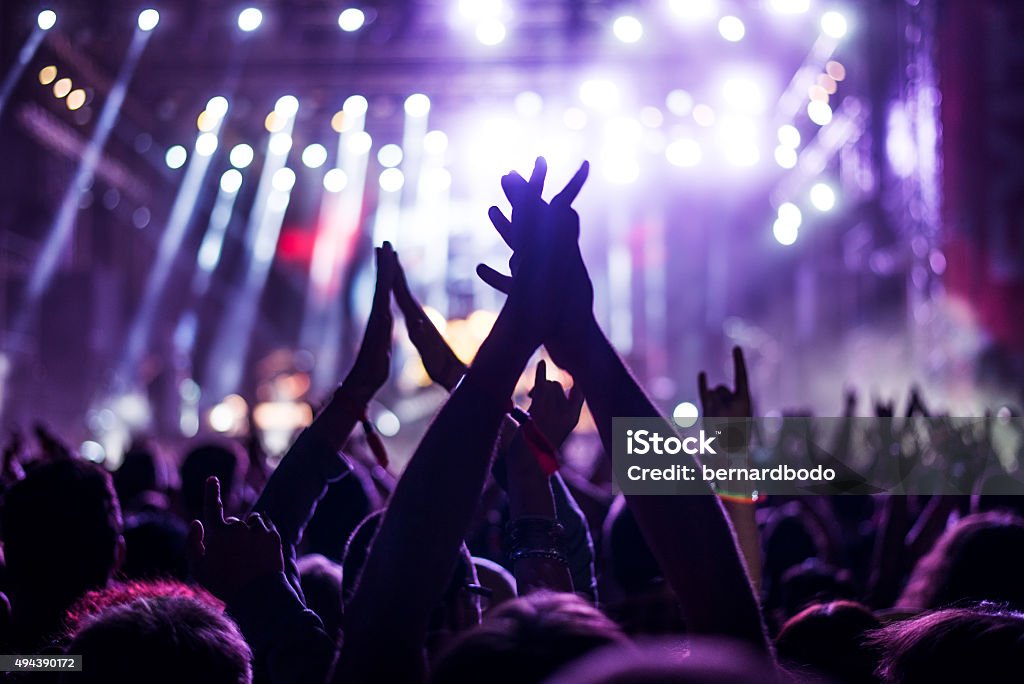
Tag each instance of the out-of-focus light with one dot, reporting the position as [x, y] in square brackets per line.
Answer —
[351, 19]
[76, 98]
[474, 10]
[283, 179]
[437, 180]
[206, 121]
[816, 92]
[175, 156]
[575, 118]
[693, 9]
[47, 75]
[600, 94]
[731, 28]
[435, 142]
[92, 451]
[231, 181]
[823, 197]
[622, 172]
[280, 144]
[685, 414]
[391, 180]
[250, 19]
[679, 102]
[785, 233]
[819, 112]
[628, 29]
[314, 156]
[61, 88]
[789, 136]
[742, 153]
[835, 70]
[148, 19]
[738, 138]
[241, 156]
[790, 213]
[46, 19]
[704, 115]
[335, 180]
[651, 117]
[389, 155]
[388, 424]
[786, 157]
[417, 105]
[790, 6]
[217, 106]
[827, 83]
[274, 122]
[355, 105]
[206, 144]
[338, 122]
[287, 105]
[528, 103]
[744, 94]
[491, 31]
[683, 152]
[833, 24]
[360, 142]
[229, 414]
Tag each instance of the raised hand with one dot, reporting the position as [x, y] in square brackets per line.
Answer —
[440, 362]
[373, 362]
[554, 413]
[721, 402]
[10, 469]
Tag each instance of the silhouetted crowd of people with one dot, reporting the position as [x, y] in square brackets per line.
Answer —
[488, 560]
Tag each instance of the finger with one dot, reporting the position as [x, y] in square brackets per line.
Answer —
[541, 375]
[501, 283]
[740, 370]
[410, 308]
[576, 397]
[213, 507]
[501, 224]
[573, 187]
[515, 187]
[540, 171]
[255, 521]
[194, 548]
[702, 387]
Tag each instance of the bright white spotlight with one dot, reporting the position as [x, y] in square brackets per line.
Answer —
[283, 179]
[575, 118]
[280, 144]
[600, 94]
[417, 105]
[250, 19]
[391, 180]
[833, 24]
[790, 213]
[789, 136]
[355, 105]
[241, 156]
[360, 142]
[435, 142]
[148, 19]
[738, 138]
[217, 106]
[704, 115]
[528, 103]
[683, 152]
[732, 28]
[786, 157]
[491, 31]
[46, 19]
[287, 105]
[823, 197]
[314, 156]
[206, 144]
[679, 102]
[230, 181]
[335, 180]
[628, 29]
[389, 155]
[351, 19]
[693, 9]
[790, 6]
[743, 94]
[819, 112]
[437, 180]
[685, 414]
[785, 233]
[176, 156]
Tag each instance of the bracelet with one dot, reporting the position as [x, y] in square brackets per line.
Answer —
[546, 554]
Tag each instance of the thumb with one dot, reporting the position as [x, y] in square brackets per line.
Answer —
[501, 283]
[576, 397]
[195, 550]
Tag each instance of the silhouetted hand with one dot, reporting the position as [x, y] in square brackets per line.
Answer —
[10, 469]
[885, 409]
[373, 362]
[440, 362]
[225, 554]
[721, 402]
[554, 413]
[52, 447]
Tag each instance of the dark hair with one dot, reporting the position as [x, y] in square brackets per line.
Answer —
[321, 580]
[526, 640]
[154, 546]
[830, 638]
[221, 460]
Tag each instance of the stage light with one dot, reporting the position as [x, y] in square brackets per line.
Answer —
[685, 414]
[437, 180]
[47, 75]
[280, 144]
[241, 156]
[335, 180]
[743, 94]
[600, 94]
[46, 19]
[679, 102]
[786, 157]
[528, 103]
[785, 233]
[651, 117]
[175, 156]
[833, 24]
[693, 9]
[339, 122]
[314, 156]
[827, 83]
[250, 19]
[738, 139]
[790, 213]
[817, 93]
[684, 152]
[283, 179]
[819, 112]
[475, 10]
[92, 451]
[628, 29]
[417, 105]
[704, 115]
[391, 180]
[217, 106]
[351, 19]
[229, 415]
[76, 98]
[206, 144]
[355, 105]
[389, 155]
[435, 142]
[287, 106]
[231, 181]
[61, 88]
[148, 19]
[835, 70]
[274, 122]
[491, 31]
[732, 28]
[360, 142]
[575, 118]
[789, 136]
[206, 122]
[388, 424]
[790, 6]
[823, 197]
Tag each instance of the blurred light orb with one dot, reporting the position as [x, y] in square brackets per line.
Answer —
[742, 153]
[355, 105]
[437, 180]
[389, 155]
[217, 106]
[391, 180]
[360, 142]
[574, 118]
[175, 157]
[241, 156]
[628, 29]
[47, 75]
[786, 157]
[491, 31]
[684, 152]
[435, 142]
[651, 117]
[679, 102]
[528, 103]
[206, 144]
[600, 94]
[620, 168]
[819, 112]
[314, 156]
[835, 70]
[685, 414]
[206, 121]
[785, 233]
[833, 24]
[732, 28]
[92, 451]
[46, 19]
[744, 94]
[335, 180]
[704, 115]
[287, 105]
[274, 122]
[790, 6]
[283, 179]
[351, 19]
[790, 213]
[61, 88]
[789, 136]
[148, 19]
[693, 9]
[230, 181]
[339, 122]
[823, 197]
[388, 424]
[250, 19]
[280, 144]
[417, 105]
[76, 98]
